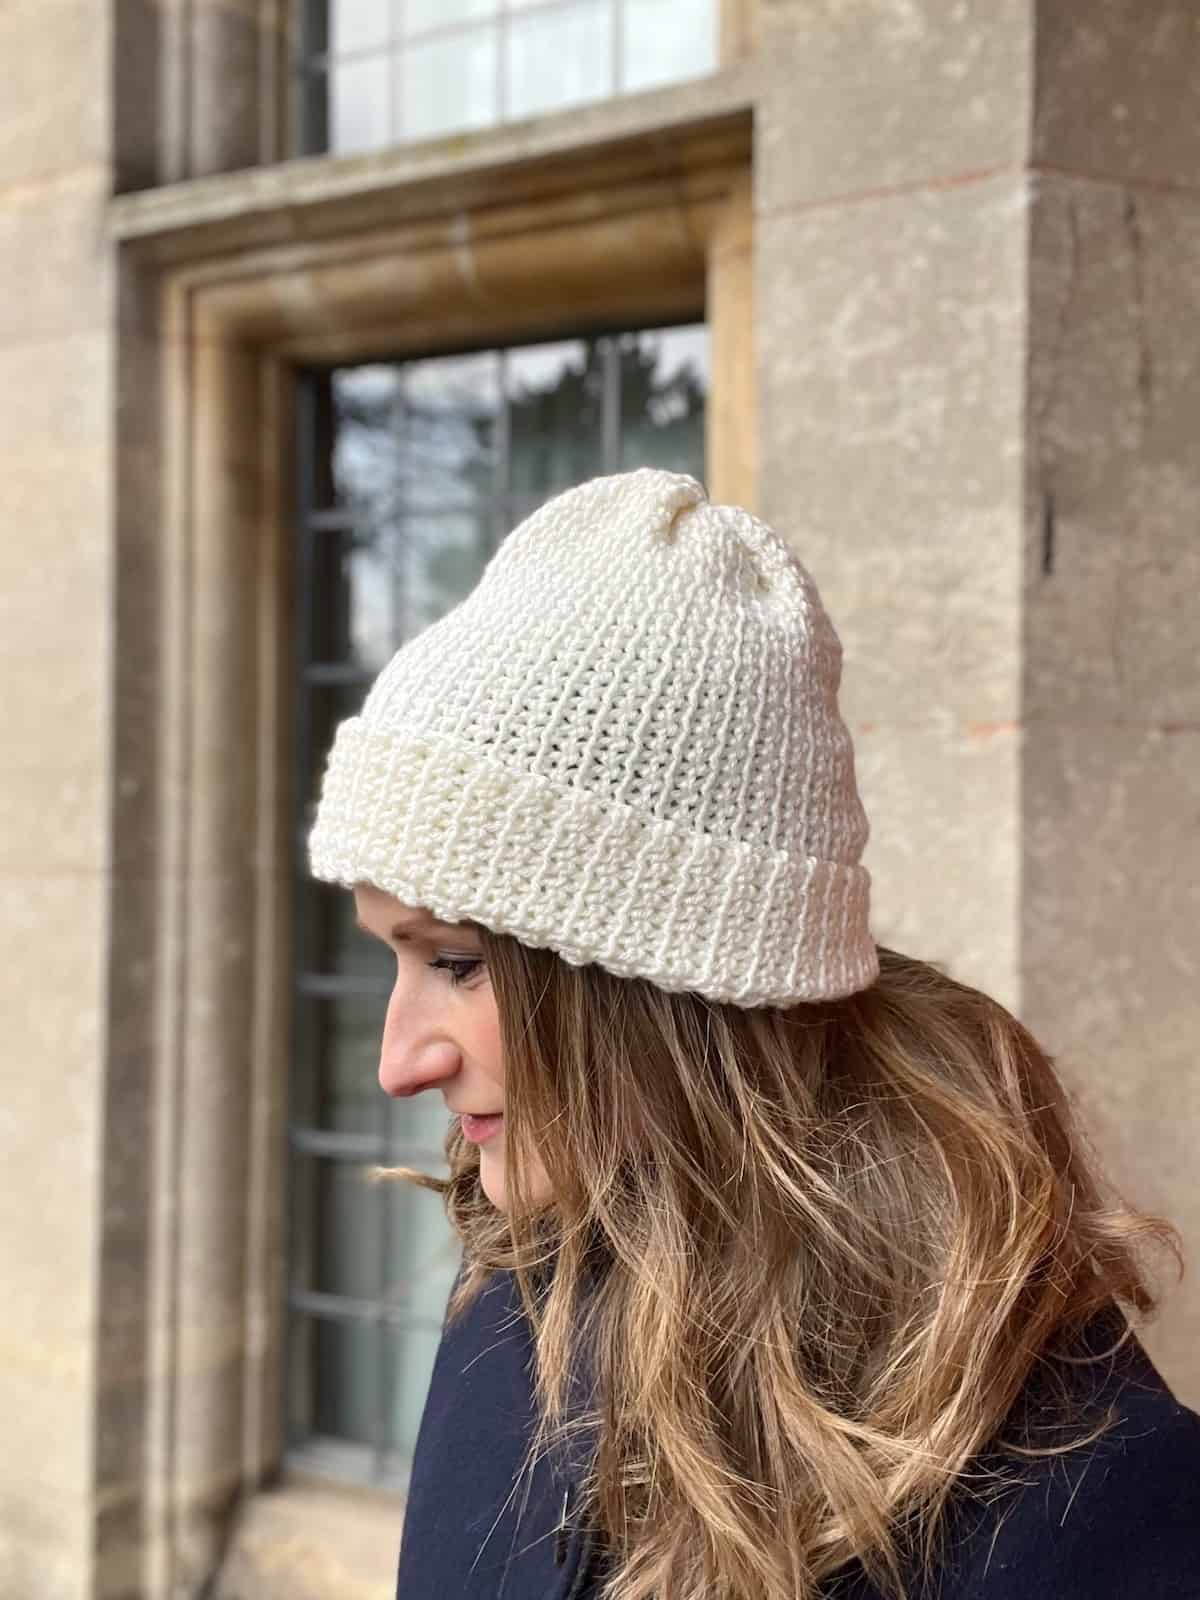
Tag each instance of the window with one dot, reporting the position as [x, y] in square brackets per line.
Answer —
[412, 474]
[379, 72]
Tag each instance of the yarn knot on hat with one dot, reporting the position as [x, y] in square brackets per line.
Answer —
[623, 745]
[672, 498]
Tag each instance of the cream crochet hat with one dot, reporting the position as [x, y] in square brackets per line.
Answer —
[624, 745]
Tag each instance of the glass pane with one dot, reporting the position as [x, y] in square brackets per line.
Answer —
[664, 385]
[358, 24]
[447, 84]
[424, 1254]
[356, 595]
[446, 555]
[556, 413]
[451, 408]
[346, 1380]
[420, 16]
[359, 113]
[559, 58]
[666, 41]
[412, 1364]
[366, 446]
[348, 1209]
[419, 1124]
[335, 1087]
[425, 1257]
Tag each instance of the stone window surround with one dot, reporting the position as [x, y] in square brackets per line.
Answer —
[631, 210]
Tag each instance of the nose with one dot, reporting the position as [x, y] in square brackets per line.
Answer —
[413, 1055]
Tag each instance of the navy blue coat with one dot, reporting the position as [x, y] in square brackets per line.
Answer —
[1112, 1521]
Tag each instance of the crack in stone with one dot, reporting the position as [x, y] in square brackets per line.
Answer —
[1050, 393]
[1137, 250]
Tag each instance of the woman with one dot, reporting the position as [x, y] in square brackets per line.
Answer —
[785, 1273]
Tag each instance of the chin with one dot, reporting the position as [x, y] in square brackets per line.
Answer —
[492, 1184]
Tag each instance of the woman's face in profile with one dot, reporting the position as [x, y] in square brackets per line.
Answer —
[442, 1030]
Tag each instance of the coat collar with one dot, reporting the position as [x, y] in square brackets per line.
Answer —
[471, 1530]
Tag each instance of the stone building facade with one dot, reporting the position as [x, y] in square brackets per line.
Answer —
[948, 254]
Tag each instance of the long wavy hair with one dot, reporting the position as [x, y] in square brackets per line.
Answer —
[814, 1253]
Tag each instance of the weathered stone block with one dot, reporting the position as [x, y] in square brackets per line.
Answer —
[1113, 550]
[892, 437]
[1110, 869]
[55, 258]
[1116, 91]
[54, 815]
[55, 55]
[50, 990]
[944, 846]
[864, 97]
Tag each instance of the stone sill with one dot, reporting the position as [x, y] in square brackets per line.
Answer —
[318, 196]
[308, 1540]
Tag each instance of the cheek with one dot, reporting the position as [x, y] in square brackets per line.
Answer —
[488, 1047]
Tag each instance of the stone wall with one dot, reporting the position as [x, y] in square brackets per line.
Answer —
[978, 311]
[1110, 792]
[56, 422]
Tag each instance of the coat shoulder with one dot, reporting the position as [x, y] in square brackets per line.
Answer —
[1107, 1520]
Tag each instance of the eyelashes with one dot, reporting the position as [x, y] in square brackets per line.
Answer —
[459, 968]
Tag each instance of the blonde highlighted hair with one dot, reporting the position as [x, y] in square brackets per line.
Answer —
[815, 1253]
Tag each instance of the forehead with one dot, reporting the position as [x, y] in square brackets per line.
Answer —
[377, 907]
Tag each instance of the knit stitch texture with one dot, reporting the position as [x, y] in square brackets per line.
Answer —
[624, 745]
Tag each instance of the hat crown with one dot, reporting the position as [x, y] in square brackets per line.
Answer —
[655, 677]
[635, 641]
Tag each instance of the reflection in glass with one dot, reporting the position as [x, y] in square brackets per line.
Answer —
[556, 416]
[559, 58]
[451, 410]
[446, 554]
[355, 593]
[664, 383]
[668, 40]
[365, 401]
[447, 84]
[359, 111]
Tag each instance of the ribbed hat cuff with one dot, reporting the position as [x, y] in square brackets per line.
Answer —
[445, 826]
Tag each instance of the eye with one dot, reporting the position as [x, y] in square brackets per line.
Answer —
[460, 968]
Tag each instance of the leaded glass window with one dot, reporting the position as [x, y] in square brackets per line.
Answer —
[376, 72]
[411, 475]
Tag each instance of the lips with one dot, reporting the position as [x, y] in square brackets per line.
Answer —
[479, 1129]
